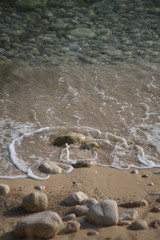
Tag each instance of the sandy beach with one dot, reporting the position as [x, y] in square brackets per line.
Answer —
[100, 183]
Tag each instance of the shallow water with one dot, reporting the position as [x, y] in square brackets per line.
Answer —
[86, 66]
[116, 106]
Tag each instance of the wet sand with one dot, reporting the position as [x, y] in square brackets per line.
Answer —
[97, 182]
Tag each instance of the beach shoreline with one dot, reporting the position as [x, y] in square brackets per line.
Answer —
[96, 182]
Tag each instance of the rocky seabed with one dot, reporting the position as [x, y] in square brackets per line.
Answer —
[52, 32]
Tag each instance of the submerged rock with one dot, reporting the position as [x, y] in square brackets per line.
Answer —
[75, 198]
[104, 213]
[83, 163]
[4, 189]
[49, 167]
[89, 145]
[69, 139]
[40, 225]
[30, 4]
[35, 202]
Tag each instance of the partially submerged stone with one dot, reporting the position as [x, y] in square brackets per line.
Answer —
[75, 198]
[104, 213]
[49, 167]
[83, 163]
[40, 225]
[35, 202]
[134, 204]
[89, 145]
[69, 139]
[4, 189]
[139, 225]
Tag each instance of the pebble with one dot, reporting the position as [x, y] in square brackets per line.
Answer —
[69, 217]
[75, 198]
[158, 200]
[151, 184]
[134, 204]
[83, 163]
[155, 209]
[89, 202]
[154, 194]
[139, 225]
[93, 233]
[79, 210]
[124, 223]
[69, 139]
[145, 176]
[39, 187]
[40, 225]
[50, 168]
[71, 227]
[90, 145]
[105, 213]
[135, 171]
[155, 224]
[35, 202]
[157, 172]
[4, 189]
[128, 215]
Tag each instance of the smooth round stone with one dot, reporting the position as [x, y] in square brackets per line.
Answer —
[139, 225]
[44, 225]
[92, 233]
[145, 176]
[151, 184]
[135, 171]
[4, 189]
[35, 202]
[75, 198]
[39, 187]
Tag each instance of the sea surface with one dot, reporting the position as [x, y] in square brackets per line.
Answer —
[114, 102]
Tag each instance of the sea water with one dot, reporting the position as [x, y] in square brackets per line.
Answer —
[118, 107]
[89, 67]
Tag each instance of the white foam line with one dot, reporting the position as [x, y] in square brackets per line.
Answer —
[141, 157]
[20, 164]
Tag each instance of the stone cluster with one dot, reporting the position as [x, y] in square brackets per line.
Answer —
[43, 223]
